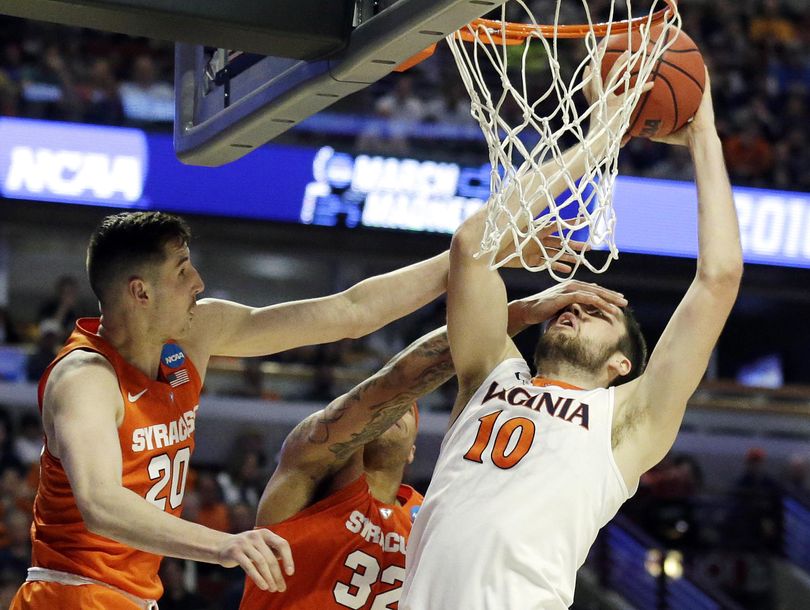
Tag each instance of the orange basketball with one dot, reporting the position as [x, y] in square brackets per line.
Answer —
[679, 78]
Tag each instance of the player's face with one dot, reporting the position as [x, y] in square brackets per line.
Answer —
[403, 432]
[178, 285]
[396, 442]
[582, 335]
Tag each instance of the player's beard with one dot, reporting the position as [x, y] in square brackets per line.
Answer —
[554, 348]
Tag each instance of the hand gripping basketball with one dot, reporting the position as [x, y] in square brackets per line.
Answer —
[703, 120]
[678, 76]
[594, 85]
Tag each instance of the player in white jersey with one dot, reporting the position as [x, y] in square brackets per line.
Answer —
[530, 469]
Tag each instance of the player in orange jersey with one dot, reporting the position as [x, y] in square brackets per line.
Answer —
[337, 495]
[119, 406]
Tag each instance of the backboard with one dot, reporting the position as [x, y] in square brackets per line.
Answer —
[228, 102]
[247, 71]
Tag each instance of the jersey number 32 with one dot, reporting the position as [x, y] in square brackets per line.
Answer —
[366, 569]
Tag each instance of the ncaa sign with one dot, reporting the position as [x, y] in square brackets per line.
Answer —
[172, 356]
[72, 163]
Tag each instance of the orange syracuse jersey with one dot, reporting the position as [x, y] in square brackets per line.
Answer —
[157, 439]
[349, 552]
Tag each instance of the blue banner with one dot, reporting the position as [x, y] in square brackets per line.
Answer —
[119, 167]
[70, 163]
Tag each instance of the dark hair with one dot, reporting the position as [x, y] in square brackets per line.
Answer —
[634, 346]
[125, 242]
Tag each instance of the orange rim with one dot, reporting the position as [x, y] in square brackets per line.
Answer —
[507, 33]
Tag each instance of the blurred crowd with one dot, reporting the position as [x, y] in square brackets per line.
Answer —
[72, 74]
[759, 56]
[758, 51]
[727, 531]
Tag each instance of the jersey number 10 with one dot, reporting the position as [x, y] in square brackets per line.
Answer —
[520, 426]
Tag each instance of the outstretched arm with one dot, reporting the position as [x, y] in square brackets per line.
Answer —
[651, 408]
[328, 438]
[230, 329]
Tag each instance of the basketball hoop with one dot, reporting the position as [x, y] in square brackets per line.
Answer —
[527, 127]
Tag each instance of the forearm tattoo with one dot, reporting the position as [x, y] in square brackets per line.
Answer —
[412, 373]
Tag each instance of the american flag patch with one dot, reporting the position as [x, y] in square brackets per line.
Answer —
[178, 378]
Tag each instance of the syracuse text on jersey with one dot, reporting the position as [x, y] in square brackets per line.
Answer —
[158, 436]
[390, 542]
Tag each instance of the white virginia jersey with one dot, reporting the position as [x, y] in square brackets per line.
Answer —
[524, 481]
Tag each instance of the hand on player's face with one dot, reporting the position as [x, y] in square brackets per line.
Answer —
[544, 305]
[702, 121]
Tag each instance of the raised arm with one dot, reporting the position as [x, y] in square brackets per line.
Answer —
[327, 440]
[329, 437]
[652, 406]
[476, 311]
[82, 410]
[230, 329]
[476, 296]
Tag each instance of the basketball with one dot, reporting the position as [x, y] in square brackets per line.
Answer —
[679, 78]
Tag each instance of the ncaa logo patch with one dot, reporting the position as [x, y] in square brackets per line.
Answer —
[172, 356]
[414, 512]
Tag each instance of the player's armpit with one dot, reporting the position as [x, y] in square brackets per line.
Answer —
[650, 409]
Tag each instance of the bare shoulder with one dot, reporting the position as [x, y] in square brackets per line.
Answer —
[309, 446]
[302, 476]
[306, 431]
[211, 318]
[79, 366]
[210, 309]
[79, 385]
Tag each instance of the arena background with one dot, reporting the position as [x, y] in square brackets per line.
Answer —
[723, 522]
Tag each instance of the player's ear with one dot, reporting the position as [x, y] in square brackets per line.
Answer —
[411, 454]
[137, 288]
[619, 365]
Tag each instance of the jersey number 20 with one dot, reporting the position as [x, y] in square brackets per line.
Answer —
[501, 454]
[171, 473]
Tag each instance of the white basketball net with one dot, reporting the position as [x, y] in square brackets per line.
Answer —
[527, 127]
